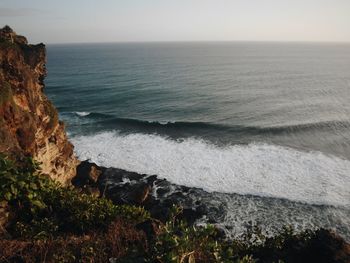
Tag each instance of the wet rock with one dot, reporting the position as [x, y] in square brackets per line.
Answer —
[140, 194]
[87, 177]
[162, 191]
[158, 196]
[190, 215]
[124, 187]
[87, 174]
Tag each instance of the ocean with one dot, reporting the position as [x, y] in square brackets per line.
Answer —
[263, 127]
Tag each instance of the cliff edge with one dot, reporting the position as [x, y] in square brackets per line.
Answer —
[29, 123]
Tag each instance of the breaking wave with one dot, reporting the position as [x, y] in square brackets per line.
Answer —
[253, 169]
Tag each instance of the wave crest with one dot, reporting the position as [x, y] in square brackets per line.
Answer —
[82, 113]
[206, 127]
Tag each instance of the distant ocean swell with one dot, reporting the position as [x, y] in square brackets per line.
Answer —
[203, 127]
[253, 169]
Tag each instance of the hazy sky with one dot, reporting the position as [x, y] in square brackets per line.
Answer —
[60, 21]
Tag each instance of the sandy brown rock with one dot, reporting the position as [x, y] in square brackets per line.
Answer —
[29, 124]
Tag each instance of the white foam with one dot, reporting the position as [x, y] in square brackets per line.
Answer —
[162, 122]
[256, 169]
[82, 113]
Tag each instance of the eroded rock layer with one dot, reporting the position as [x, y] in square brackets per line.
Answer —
[29, 123]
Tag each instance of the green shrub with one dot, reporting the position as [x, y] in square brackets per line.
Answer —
[42, 207]
[178, 242]
[21, 186]
[78, 212]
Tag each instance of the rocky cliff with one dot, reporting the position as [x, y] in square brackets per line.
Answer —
[29, 124]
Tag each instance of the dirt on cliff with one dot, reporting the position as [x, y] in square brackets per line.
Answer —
[29, 123]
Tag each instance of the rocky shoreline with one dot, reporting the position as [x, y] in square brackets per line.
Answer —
[156, 195]
[225, 211]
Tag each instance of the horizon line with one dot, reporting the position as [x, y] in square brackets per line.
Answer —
[202, 41]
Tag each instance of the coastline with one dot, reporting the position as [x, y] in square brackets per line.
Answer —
[149, 220]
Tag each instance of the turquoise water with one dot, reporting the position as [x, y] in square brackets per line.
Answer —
[267, 120]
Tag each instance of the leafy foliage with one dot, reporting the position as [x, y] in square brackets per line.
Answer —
[41, 207]
[21, 186]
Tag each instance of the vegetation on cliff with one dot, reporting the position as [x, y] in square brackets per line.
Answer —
[51, 223]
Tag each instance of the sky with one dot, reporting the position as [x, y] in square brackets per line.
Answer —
[81, 21]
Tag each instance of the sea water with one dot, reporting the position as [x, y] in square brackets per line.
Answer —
[264, 127]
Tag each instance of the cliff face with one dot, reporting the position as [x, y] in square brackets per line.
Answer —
[29, 124]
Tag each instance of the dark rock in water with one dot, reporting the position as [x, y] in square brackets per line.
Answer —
[140, 194]
[124, 187]
[158, 196]
[87, 177]
[190, 215]
[87, 174]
